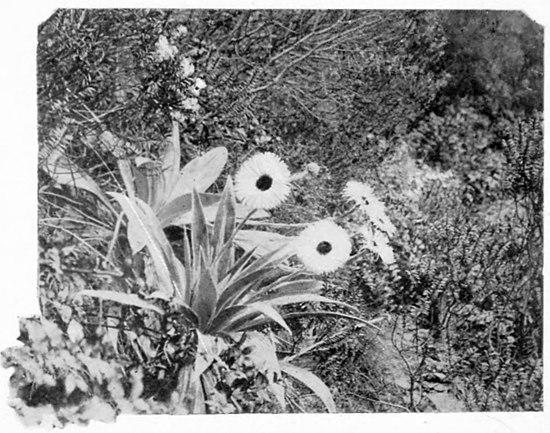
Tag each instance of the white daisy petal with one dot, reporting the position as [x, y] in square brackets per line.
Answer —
[263, 181]
[363, 195]
[360, 193]
[383, 223]
[323, 247]
[377, 242]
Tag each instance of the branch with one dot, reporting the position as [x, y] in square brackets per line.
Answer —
[305, 38]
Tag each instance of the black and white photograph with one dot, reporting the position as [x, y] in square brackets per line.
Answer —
[277, 211]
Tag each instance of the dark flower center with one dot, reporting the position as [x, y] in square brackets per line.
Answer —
[324, 248]
[264, 182]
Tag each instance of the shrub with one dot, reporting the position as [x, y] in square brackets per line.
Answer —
[495, 57]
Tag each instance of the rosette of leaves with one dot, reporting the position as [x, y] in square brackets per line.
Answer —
[162, 184]
[213, 291]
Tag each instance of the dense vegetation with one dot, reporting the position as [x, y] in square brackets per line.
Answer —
[439, 111]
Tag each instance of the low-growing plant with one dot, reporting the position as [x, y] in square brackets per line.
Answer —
[188, 309]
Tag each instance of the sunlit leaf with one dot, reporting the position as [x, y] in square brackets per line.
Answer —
[200, 173]
[264, 242]
[75, 331]
[170, 162]
[224, 223]
[121, 298]
[284, 287]
[242, 320]
[199, 230]
[178, 211]
[64, 171]
[205, 294]
[144, 229]
[312, 382]
[150, 184]
[125, 169]
[241, 286]
[299, 298]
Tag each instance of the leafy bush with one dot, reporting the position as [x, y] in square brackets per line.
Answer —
[66, 374]
[464, 141]
[466, 278]
[495, 57]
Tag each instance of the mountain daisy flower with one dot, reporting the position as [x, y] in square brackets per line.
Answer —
[360, 193]
[323, 247]
[263, 181]
[377, 242]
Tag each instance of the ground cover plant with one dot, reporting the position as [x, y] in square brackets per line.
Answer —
[246, 211]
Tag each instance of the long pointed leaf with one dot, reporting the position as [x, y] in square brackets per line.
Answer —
[150, 184]
[200, 173]
[264, 242]
[144, 229]
[199, 230]
[64, 171]
[187, 313]
[279, 288]
[121, 298]
[125, 169]
[204, 301]
[238, 289]
[299, 298]
[242, 262]
[178, 210]
[220, 320]
[224, 223]
[240, 320]
[171, 161]
[189, 269]
[312, 382]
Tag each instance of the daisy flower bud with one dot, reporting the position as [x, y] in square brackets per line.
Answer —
[263, 181]
[323, 247]
[313, 168]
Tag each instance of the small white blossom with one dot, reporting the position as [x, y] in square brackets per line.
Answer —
[177, 115]
[180, 30]
[313, 168]
[196, 88]
[164, 49]
[200, 83]
[186, 67]
[191, 104]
